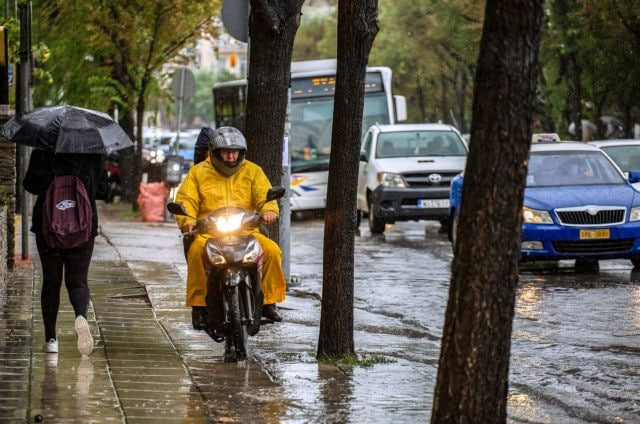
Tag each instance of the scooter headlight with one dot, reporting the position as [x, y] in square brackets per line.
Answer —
[252, 253]
[230, 223]
[214, 255]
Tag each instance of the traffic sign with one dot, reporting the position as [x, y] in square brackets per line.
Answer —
[183, 85]
[235, 17]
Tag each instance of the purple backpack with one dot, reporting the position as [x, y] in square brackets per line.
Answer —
[66, 214]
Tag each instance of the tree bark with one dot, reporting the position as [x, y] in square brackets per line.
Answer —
[576, 94]
[126, 158]
[358, 23]
[272, 30]
[473, 368]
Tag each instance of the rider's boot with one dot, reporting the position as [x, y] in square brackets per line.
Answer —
[199, 317]
[271, 312]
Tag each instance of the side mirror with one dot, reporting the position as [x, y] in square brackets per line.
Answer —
[363, 157]
[634, 176]
[176, 209]
[275, 193]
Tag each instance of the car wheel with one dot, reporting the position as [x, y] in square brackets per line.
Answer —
[636, 262]
[376, 225]
[587, 265]
[358, 217]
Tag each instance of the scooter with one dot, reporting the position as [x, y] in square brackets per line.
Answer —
[233, 264]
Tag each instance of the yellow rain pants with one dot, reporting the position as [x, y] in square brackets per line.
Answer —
[205, 190]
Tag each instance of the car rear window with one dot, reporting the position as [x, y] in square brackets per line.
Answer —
[560, 168]
[419, 143]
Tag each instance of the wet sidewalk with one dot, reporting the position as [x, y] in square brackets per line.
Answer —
[150, 366]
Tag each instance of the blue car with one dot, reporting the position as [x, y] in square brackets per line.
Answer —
[577, 205]
[185, 147]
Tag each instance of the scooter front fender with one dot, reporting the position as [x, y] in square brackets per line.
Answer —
[233, 277]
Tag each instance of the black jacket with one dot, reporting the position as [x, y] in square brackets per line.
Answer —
[44, 166]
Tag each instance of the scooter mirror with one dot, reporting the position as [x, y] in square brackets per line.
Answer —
[275, 193]
[176, 208]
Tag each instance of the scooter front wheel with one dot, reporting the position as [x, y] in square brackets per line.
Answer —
[240, 335]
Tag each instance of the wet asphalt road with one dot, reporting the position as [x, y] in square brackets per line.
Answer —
[575, 348]
[576, 337]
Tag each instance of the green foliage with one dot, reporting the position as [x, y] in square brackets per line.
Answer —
[115, 52]
[364, 360]
[432, 47]
[316, 38]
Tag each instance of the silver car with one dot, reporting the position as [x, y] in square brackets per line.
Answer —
[405, 173]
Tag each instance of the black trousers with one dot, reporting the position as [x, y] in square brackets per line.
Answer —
[74, 265]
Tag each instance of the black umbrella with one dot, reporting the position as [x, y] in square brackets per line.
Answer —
[67, 129]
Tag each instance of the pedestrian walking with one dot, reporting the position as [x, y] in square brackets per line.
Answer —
[57, 256]
[65, 172]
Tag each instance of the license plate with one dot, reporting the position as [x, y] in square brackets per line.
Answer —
[595, 234]
[433, 203]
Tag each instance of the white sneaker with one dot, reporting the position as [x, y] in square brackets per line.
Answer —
[85, 341]
[51, 346]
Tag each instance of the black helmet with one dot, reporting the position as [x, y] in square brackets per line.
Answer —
[227, 138]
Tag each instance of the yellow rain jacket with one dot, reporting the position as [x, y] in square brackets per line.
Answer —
[204, 190]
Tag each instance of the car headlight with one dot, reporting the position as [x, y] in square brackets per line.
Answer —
[387, 179]
[152, 153]
[635, 214]
[214, 255]
[252, 253]
[534, 216]
[230, 223]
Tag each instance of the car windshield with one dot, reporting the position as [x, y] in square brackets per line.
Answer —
[419, 143]
[561, 168]
[626, 157]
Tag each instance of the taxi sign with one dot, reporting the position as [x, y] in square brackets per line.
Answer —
[545, 138]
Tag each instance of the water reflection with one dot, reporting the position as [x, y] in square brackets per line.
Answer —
[50, 400]
[336, 392]
[528, 297]
[84, 377]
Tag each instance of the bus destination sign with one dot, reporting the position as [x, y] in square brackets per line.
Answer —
[326, 85]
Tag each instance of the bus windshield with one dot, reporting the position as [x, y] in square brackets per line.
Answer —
[311, 121]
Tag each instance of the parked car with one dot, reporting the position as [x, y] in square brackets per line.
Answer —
[625, 153]
[405, 172]
[577, 205]
[185, 147]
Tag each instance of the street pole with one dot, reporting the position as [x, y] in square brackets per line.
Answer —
[176, 147]
[285, 204]
[23, 106]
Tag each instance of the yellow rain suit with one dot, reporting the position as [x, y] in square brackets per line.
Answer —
[204, 190]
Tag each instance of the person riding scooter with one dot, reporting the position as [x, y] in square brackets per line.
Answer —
[225, 178]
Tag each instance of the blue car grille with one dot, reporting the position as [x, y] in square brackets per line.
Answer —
[602, 217]
[593, 246]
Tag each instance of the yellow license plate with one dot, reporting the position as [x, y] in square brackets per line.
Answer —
[594, 234]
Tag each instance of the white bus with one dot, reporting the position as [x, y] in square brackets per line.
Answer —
[311, 116]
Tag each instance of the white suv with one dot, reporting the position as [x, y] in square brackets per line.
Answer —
[405, 172]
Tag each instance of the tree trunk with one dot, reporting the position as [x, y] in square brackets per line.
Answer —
[137, 154]
[421, 103]
[126, 158]
[462, 102]
[473, 368]
[444, 104]
[576, 94]
[358, 20]
[272, 30]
